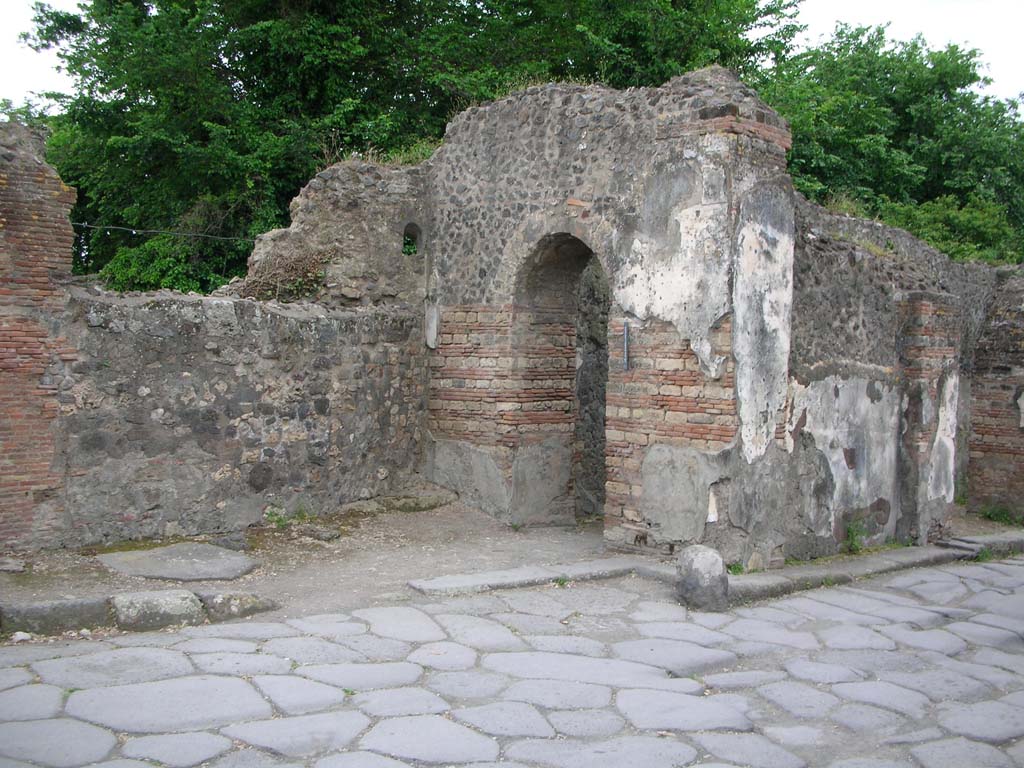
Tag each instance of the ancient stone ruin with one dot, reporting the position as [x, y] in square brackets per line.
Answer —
[587, 302]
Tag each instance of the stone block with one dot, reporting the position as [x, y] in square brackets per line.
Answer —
[154, 610]
[703, 582]
[51, 617]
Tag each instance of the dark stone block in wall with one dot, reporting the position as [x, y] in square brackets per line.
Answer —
[260, 476]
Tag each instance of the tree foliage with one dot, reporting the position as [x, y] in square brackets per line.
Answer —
[207, 116]
[906, 131]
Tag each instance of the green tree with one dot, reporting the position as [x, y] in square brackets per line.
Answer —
[906, 131]
[207, 116]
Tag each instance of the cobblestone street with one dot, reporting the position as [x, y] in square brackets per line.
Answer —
[921, 668]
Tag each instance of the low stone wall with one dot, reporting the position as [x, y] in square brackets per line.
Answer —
[185, 415]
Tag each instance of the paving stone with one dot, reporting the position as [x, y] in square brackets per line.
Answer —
[460, 583]
[710, 620]
[60, 743]
[182, 704]
[297, 696]
[604, 628]
[875, 661]
[766, 632]
[727, 681]
[472, 684]
[998, 603]
[478, 605]
[188, 561]
[852, 638]
[799, 699]
[152, 610]
[302, 735]
[401, 623]
[940, 684]
[162, 639]
[915, 737]
[429, 738]
[584, 646]
[818, 672]
[121, 764]
[526, 624]
[118, 667]
[31, 702]
[181, 750]
[594, 600]
[796, 735]
[17, 655]
[311, 650]
[359, 760]
[216, 645]
[993, 721]
[506, 718]
[364, 677]
[623, 752]
[772, 614]
[1003, 622]
[885, 695]
[375, 648]
[869, 762]
[678, 657]
[939, 591]
[990, 674]
[661, 710]
[691, 633]
[332, 626]
[251, 758]
[649, 610]
[927, 639]
[13, 676]
[1016, 752]
[591, 723]
[991, 657]
[241, 664]
[51, 617]
[981, 634]
[559, 666]
[825, 612]
[958, 753]
[864, 717]
[393, 702]
[559, 694]
[243, 630]
[534, 602]
[749, 749]
[479, 633]
[444, 655]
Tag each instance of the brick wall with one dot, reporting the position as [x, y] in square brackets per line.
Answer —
[929, 354]
[663, 397]
[996, 466]
[35, 250]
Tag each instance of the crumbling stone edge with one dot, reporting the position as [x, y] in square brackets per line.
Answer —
[129, 611]
[743, 588]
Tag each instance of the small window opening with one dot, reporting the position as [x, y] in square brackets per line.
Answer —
[411, 240]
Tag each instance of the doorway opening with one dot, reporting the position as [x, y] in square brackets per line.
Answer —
[560, 338]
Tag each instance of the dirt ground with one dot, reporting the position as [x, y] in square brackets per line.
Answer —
[382, 545]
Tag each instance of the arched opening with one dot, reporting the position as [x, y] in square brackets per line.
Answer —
[560, 338]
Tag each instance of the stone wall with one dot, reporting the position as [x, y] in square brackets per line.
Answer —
[996, 468]
[129, 416]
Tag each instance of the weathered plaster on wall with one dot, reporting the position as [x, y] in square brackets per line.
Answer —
[941, 475]
[762, 301]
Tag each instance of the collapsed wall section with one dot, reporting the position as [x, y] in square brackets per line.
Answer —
[130, 416]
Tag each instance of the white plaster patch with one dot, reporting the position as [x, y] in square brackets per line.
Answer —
[762, 301]
[1020, 409]
[853, 421]
[689, 286]
[941, 463]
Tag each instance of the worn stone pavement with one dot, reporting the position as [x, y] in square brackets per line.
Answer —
[920, 668]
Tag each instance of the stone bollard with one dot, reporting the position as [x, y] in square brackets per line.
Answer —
[702, 579]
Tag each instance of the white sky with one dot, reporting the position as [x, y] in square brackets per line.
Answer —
[992, 26]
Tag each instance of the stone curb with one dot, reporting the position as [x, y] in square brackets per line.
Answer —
[129, 611]
[743, 588]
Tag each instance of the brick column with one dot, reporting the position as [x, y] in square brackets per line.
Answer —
[35, 248]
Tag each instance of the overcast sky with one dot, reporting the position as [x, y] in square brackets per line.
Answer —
[992, 26]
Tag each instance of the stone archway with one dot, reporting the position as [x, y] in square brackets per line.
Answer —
[559, 344]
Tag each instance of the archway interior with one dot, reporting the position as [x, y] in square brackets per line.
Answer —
[560, 325]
